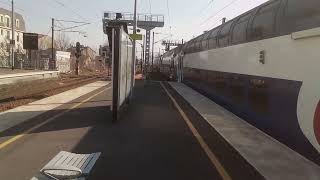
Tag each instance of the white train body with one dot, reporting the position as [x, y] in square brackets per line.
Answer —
[264, 66]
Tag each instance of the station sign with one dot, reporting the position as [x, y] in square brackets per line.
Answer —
[137, 37]
[30, 41]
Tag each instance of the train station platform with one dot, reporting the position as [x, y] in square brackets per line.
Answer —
[11, 77]
[272, 159]
[161, 135]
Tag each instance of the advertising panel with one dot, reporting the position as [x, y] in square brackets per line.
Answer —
[63, 63]
[122, 69]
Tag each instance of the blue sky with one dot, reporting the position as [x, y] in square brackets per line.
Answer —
[187, 18]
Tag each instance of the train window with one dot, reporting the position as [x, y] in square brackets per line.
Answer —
[223, 37]
[264, 22]
[204, 44]
[198, 46]
[212, 42]
[239, 32]
[187, 47]
[214, 33]
[302, 15]
[192, 45]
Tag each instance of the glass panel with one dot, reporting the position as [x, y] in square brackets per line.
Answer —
[224, 34]
[303, 15]
[204, 45]
[239, 34]
[214, 33]
[263, 24]
[212, 43]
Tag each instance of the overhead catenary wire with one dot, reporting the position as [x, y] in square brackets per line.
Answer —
[219, 11]
[72, 27]
[77, 22]
[206, 7]
[67, 7]
[9, 4]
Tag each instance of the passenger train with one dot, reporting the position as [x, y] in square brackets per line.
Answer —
[264, 66]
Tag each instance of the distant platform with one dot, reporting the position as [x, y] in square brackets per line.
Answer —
[10, 77]
[4, 71]
[21, 114]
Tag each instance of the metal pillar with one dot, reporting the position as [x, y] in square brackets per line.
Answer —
[52, 46]
[152, 51]
[147, 53]
[12, 43]
[134, 45]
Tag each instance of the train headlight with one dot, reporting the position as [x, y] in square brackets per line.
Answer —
[317, 123]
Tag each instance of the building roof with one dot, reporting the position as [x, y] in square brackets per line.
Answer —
[22, 26]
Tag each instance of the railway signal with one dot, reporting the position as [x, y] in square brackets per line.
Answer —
[78, 55]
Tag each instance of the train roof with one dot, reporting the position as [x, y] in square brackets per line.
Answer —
[271, 19]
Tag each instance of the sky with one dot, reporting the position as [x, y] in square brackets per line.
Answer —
[184, 19]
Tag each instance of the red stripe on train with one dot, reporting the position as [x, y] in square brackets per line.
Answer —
[317, 123]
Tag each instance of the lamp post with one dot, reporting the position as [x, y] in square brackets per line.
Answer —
[134, 45]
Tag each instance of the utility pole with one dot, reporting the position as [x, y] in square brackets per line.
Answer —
[159, 63]
[52, 46]
[13, 35]
[152, 51]
[78, 55]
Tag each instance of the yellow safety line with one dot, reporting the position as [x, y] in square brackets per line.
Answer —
[213, 158]
[17, 137]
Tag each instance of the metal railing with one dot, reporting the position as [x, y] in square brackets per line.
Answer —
[129, 17]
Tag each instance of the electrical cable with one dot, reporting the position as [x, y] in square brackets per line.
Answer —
[222, 9]
[67, 7]
[9, 4]
[206, 7]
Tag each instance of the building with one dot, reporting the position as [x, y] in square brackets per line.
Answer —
[5, 27]
[6, 35]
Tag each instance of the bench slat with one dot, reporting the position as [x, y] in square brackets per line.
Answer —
[54, 160]
[61, 160]
[88, 168]
[79, 159]
[75, 158]
[82, 160]
[67, 163]
[87, 161]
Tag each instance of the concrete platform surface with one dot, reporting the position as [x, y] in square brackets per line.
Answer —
[272, 159]
[21, 114]
[150, 141]
[27, 76]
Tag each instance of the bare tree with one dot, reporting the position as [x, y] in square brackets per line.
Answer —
[63, 42]
[45, 42]
[4, 53]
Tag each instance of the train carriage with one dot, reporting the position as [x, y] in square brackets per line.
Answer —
[264, 66]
